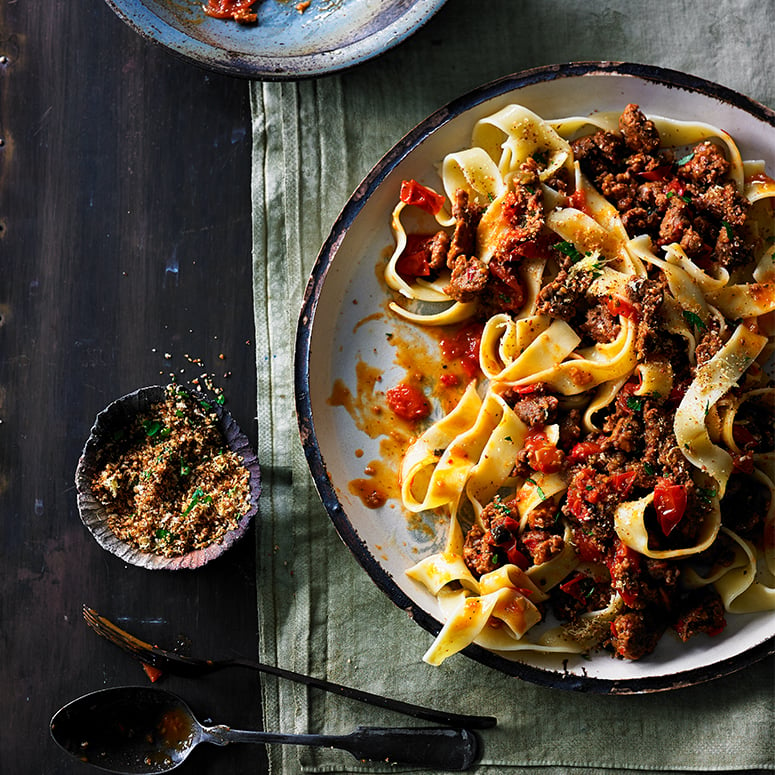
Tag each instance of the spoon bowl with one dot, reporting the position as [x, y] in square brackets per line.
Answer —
[130, 729]
[143, 730]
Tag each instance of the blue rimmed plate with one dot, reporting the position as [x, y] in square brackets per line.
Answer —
[284, 43]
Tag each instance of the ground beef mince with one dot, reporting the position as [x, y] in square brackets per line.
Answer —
[599, 153]
[634, 635]
[639, 133]
[561, 297]
[467, 217]
[468, 280]
[692, 202]
[646, 297]
[492, 542]
[600, 325]
[536, 410]
[542, 545]
[477, 552]
[701, 612]
[438, 250]
[704, 167]
[523, 207]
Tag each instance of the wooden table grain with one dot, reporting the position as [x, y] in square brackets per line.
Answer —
[125, 236]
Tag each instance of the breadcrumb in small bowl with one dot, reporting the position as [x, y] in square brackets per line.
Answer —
[167, 480]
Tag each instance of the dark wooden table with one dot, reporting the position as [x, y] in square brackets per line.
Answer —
[125, 237]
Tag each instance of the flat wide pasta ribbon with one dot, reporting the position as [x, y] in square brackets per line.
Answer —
[713, 379]
[502, 599]
[630, 526]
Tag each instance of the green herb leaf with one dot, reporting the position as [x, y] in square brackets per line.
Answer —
[635, 403]
[152, 427]
[686, 159]
[569, 249]
[195, 498]
[535, 484]
[706, 493]
[694, 320]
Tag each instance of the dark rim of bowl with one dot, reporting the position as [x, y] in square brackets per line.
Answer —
[317, 465]
[91, 511]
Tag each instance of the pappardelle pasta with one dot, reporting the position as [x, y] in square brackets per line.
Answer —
[607, 475]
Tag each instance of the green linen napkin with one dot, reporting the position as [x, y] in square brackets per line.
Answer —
[319, 613]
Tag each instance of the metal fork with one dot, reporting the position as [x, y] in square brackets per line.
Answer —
[178, 664]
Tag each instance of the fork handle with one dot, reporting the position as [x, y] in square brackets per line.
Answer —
[416, 711]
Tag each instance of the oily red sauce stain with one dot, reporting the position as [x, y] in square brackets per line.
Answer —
[438, 365]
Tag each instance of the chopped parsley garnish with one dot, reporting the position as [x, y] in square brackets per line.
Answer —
[686, 159]
[706, 493]
[152, 427]
[197, 497]
[535, 484]
[569, 249]
[693, 319]
[634, 403]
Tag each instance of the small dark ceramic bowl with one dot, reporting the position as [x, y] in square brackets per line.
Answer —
[116, 416]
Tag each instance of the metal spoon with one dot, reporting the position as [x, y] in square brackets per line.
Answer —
[149, 730]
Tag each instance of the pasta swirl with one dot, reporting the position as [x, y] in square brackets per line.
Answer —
[608, 475]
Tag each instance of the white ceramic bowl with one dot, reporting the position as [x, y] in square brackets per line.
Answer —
[330, 342]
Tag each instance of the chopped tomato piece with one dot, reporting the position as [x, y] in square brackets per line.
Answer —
[153, 673]
[239, 10]
[743, 437]
[587, 548]
[669, 503]
[506, 272]
[619, 306]
[462, 347]
[408, 401]
[543, 456]
[413, 193]
[578, 200]
[582, 450]
[414, 261]
[584, 489]
[526, 390]
[574, 587]
[675, 188]
[623, 481]
[658, 173]
[516, 557]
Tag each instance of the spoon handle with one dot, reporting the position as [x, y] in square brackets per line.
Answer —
[438, 747]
